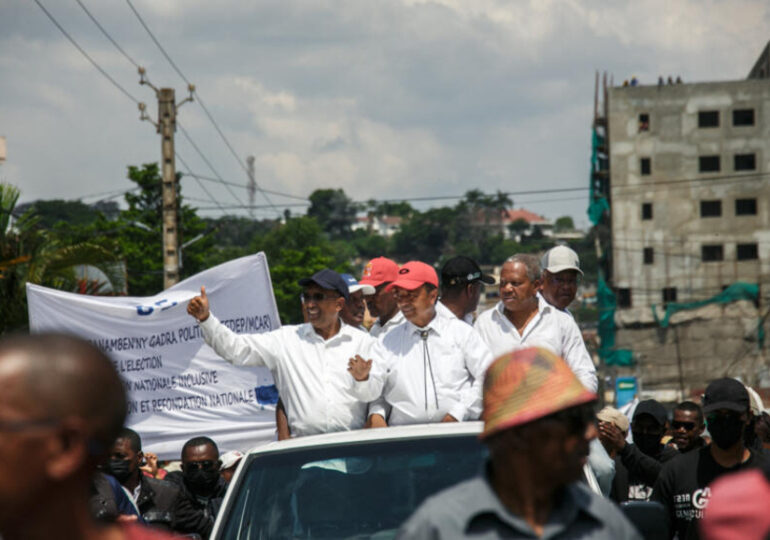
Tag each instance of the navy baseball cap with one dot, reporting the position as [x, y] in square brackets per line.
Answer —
[327, 279]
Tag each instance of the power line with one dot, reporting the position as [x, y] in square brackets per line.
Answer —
[244, 186]
[206, 191]
[203, 157]
[200, 100]
[675, 182]
[106, 34]
[85, 54]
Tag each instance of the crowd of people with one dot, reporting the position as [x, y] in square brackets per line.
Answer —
[69, 468]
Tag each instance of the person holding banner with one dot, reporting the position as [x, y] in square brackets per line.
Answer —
[319, 367]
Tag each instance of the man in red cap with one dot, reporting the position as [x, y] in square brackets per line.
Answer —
[434, 365]
[328, 394]
[379, 273]
[538, 421]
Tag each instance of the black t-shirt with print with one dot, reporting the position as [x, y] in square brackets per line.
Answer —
[682, 487]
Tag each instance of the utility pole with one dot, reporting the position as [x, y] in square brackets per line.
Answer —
[166, 127]
[252, 182]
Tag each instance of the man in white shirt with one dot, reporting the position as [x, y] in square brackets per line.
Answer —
[354, 309]
[461, 286]
[434, 365]
[561, 276]
[322, 390]
[522, 318]
[379, 273]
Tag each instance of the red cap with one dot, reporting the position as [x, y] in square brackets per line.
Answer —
[414, 274]
[378, 271]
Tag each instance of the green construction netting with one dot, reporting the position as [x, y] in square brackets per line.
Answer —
[607, 305]
[736, 291]
[596, 206]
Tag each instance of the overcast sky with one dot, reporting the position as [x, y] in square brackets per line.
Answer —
[383, 98]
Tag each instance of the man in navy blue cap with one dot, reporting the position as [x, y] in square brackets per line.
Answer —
[319, 367]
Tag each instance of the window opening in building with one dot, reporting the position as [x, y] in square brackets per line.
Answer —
[710, 209]
[743, 117]
[745, 207]
[624, 298]
[647, 210]
[649, 256]
[746, 252]
[708, 164]
[644, 122]
[745, 162]
[669, 295]
[708, 119]
[645, 166]
[712, 252]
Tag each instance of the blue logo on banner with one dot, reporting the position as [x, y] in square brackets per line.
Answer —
[267, 395]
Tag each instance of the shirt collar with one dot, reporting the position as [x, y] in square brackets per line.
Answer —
[307, 331]
[435, 324]
[574, 499]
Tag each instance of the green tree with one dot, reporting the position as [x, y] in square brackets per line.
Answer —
[564, 223]
[295, 250]
[30, 253]
[333, 210]
[140, 239]
[52, 212]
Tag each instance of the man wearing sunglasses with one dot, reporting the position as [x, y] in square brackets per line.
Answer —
[683, 483]
[561, 276]
[200, 479]
[319, 368]
[687, 427]
[538, 421]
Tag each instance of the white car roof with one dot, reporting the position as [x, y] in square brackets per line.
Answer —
[417, 431]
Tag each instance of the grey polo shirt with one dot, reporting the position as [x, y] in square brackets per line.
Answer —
[471, 509]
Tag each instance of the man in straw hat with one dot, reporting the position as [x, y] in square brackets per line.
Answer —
[538, 421]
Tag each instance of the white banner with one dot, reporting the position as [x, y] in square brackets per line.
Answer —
[178, 387]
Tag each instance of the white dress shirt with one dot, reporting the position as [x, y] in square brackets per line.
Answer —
[444, 311]
[424, 386]
[551, 329]
[311, 375]
[378, 330]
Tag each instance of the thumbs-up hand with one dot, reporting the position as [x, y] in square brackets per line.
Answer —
[199, 306]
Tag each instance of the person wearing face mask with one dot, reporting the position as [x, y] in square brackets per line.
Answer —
[199, 479]
[683, 486]
[161, 504]
[642, 460]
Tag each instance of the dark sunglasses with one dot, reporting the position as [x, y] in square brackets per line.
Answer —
[687, 426]
[207, 465]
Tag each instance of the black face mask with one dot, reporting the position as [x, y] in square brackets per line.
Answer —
[201, 482]
[648, 443]
[120, 469]
[725, 431]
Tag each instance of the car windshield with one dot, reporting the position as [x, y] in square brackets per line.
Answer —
[356, 491]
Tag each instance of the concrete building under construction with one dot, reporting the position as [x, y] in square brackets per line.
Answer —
[681, 204]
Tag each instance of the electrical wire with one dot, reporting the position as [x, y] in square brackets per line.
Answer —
[205, 159]
[245, 186]
[206, 191]
[107, 35]
[200, 101]
[85, 54]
